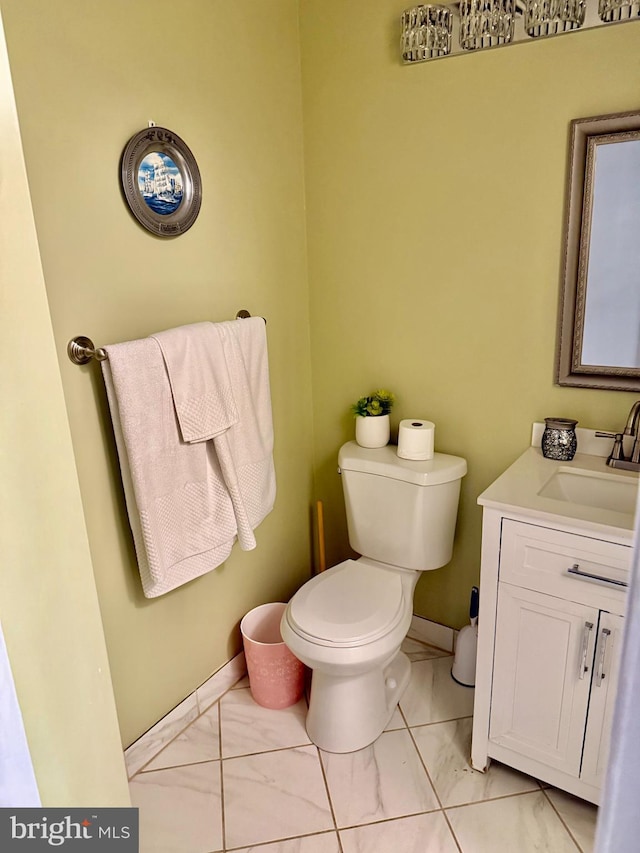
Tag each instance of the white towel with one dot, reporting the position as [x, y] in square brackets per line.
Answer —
[245, 450]
[219, 378]
[179, 508]
[188, 499]
[197, 368]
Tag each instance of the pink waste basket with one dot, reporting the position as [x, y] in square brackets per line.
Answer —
[276, 676]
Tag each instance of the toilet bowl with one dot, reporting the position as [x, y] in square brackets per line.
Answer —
[348, 623]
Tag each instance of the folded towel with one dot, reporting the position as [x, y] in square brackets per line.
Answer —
[245, 450]
[202, 394]
[179, 508]
[205, 361]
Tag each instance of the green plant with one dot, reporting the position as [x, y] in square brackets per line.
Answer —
[377, 403]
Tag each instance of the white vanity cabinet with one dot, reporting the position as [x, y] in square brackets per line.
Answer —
[552, 599]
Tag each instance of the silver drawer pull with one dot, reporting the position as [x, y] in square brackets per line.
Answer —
[583, 668]
[600, 673]
[586, 576]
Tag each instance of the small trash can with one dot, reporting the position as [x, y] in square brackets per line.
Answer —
[276, 676]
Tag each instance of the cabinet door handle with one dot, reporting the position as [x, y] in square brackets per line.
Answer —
[583, 668]
[600, 673]
[576, 571]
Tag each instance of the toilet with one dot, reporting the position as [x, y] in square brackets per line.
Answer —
[347, 624]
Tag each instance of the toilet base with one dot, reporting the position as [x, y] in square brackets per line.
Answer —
[349, 713]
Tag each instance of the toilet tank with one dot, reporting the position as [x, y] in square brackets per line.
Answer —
[400, 511]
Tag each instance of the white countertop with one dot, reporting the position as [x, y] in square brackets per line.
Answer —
[519, 486]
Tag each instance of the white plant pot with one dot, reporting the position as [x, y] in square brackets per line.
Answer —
[373, 431]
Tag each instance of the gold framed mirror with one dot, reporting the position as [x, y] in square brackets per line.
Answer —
[599, 319]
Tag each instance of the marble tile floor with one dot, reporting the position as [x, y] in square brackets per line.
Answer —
[246, 779]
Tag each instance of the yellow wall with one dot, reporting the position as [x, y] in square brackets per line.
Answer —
[435, 215]
[88, 76]
[434, 219]
[48, 604]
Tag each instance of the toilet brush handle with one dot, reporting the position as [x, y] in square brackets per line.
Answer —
[475, 603]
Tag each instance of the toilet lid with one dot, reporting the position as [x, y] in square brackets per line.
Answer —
[348, 605]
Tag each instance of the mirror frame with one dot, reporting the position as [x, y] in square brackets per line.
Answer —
[569, 369]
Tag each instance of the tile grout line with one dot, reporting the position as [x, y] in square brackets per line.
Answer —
[330, 801]
[175, 766]
[433, 787]
[222, 815]
[268, 751]
[142, 767]
[492, 800]
[382, 820]
[165, 746]
[199, 714]
[260, 844]
[562, 820]
[439, 723]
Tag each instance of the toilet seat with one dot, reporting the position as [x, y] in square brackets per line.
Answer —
[347, 606]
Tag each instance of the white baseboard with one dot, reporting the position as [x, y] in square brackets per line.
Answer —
[433, 633]
[147, 746]
[221, 681]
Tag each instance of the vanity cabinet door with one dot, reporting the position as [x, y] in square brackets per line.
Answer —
[604, 686]
[541, 678]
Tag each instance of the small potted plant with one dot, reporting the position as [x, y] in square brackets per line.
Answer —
[373, 426]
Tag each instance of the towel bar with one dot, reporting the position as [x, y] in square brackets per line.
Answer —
[81, 350]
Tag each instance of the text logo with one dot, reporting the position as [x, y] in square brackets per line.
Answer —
[102, 830]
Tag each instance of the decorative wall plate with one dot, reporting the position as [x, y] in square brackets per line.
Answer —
[161, 181]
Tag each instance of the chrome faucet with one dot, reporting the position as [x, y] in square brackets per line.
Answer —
[616, 458]
[632, 421]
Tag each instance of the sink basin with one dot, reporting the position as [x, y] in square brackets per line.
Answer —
[591, 488]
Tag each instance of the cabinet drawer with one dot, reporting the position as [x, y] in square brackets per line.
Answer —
[579, 568]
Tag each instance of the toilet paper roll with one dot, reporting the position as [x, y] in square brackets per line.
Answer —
[416, 439]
